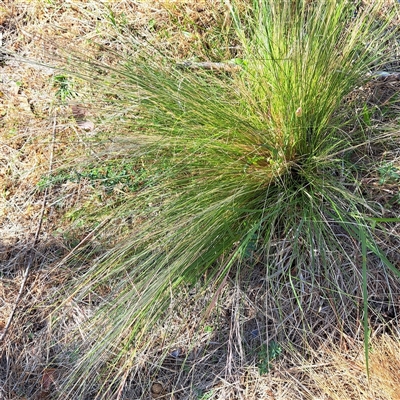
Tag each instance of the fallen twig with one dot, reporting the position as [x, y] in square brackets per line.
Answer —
[383, 75]
[232, 67]
[208, 65]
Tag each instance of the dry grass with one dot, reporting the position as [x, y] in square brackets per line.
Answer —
[224, 362]
[343, 376]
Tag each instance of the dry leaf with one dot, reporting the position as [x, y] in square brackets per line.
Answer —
[79, 114]
[48, 378]
[86, 125]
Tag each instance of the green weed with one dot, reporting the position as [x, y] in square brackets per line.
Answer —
[266, 355]
[64, 87]
[124, 175]
[389, 173]
[205, 395]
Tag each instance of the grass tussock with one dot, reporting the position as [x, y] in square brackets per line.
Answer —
[260, 164]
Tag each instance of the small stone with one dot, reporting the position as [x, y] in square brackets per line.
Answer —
[156, 390]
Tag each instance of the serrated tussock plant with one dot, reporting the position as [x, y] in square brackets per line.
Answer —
[259, 155]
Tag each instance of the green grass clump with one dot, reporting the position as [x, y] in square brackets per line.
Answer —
[252, 160]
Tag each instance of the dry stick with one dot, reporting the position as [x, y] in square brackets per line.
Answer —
[208, 65]
[35, 242]
[232, 67]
